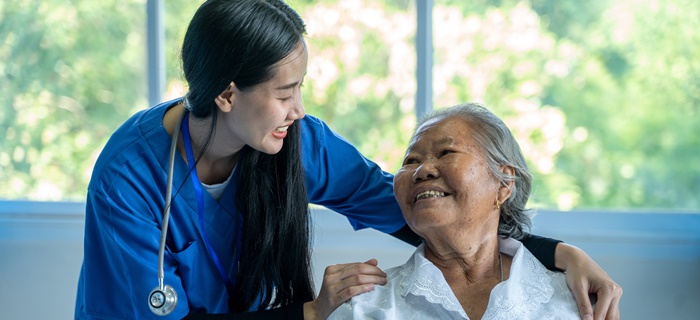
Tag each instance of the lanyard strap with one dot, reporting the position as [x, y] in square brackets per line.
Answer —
[200, 211]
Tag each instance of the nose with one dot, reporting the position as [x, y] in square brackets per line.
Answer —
[297, 112]
[426, 171]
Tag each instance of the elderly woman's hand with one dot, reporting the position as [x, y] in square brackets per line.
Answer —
[585, 278]
[342, 282]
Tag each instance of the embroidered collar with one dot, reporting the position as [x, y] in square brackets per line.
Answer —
[526, 288]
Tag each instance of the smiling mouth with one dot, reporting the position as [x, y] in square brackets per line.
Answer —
[281, 129]
[430, 194]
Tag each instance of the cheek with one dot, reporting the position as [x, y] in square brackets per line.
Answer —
[401, 183]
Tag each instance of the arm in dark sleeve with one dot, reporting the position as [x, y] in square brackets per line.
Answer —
[543, 249]
[295, 311]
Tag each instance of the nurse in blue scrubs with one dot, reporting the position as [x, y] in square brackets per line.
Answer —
[248, 162]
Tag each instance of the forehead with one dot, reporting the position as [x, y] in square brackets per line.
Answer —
[293, 64]
[443, 131]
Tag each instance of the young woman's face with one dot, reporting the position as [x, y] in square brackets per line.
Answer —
[260, 117]
[445, 184]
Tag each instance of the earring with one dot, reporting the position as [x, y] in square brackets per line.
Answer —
[498, 205]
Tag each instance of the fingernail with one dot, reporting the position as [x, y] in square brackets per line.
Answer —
[588, 317]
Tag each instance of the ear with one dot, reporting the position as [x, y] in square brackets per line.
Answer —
[506, 187]
[225, 99]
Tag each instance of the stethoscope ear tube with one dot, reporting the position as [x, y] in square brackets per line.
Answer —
[163, 298]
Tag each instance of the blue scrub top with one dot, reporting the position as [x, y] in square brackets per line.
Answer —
[124, 209]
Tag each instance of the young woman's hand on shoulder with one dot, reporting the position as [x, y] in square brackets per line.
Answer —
[342, 282]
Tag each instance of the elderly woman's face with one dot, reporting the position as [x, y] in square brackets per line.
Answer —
[445, 180]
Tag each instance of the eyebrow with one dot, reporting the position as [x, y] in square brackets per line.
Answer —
[291, 85]
[288, 86]
[442, 141]
[445, 140]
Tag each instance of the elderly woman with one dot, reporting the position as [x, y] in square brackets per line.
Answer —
[463, 187]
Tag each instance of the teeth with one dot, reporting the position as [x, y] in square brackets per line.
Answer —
[282, 129]
[430, 194]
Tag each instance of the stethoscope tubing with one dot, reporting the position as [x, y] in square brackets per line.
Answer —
[168, 200]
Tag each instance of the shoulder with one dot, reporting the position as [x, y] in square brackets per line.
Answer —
[314, 124]
[138, 146]
[313, 128]
[531, 290]
[317, 138]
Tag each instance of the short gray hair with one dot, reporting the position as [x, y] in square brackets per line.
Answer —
[500, 147]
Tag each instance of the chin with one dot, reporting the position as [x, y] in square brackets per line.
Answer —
[270, 148]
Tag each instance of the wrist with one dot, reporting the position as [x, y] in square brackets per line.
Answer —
[564, 255]
[310, 311]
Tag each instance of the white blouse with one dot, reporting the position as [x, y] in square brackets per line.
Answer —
[418, 290]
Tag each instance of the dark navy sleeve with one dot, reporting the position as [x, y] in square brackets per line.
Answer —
[340, 178]
[543, 249]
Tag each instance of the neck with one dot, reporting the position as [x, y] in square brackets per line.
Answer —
[472, 271]
[472, 262]
[216, 156]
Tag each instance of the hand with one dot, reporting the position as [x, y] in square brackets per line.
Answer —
[585, 278]
[342, 282]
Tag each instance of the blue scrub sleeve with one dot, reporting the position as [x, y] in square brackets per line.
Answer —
[340, 178]
[120, 263]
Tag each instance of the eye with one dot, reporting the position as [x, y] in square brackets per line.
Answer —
[445, 152]
[408, 161]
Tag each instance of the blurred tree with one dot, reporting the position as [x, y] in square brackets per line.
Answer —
[621, 75]
[70, 72]
[635, 91]
[602, 95]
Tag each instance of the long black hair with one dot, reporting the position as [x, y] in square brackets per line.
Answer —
[242, 41]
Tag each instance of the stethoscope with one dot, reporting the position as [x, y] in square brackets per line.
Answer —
[163, 298]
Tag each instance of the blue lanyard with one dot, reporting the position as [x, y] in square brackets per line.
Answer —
[200, 212]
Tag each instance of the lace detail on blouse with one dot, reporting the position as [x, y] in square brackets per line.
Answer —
[424, 283]
[532, 290]
[418, 290]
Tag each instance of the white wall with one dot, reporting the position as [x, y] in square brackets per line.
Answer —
[654, 256]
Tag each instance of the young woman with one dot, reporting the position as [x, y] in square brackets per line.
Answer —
[248, 163]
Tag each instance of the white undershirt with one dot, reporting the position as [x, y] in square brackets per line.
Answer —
[217, 190]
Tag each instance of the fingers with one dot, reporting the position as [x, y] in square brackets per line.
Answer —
[336, 268]
[344, 281]
[607, 306]
[585, 277]
[339, 272]
[614, 311]
[351, 274]
[606, 295]
[580, 291]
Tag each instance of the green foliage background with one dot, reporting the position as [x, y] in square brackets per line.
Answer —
[603, 95]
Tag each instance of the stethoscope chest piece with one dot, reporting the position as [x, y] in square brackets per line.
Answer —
[162, 301]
